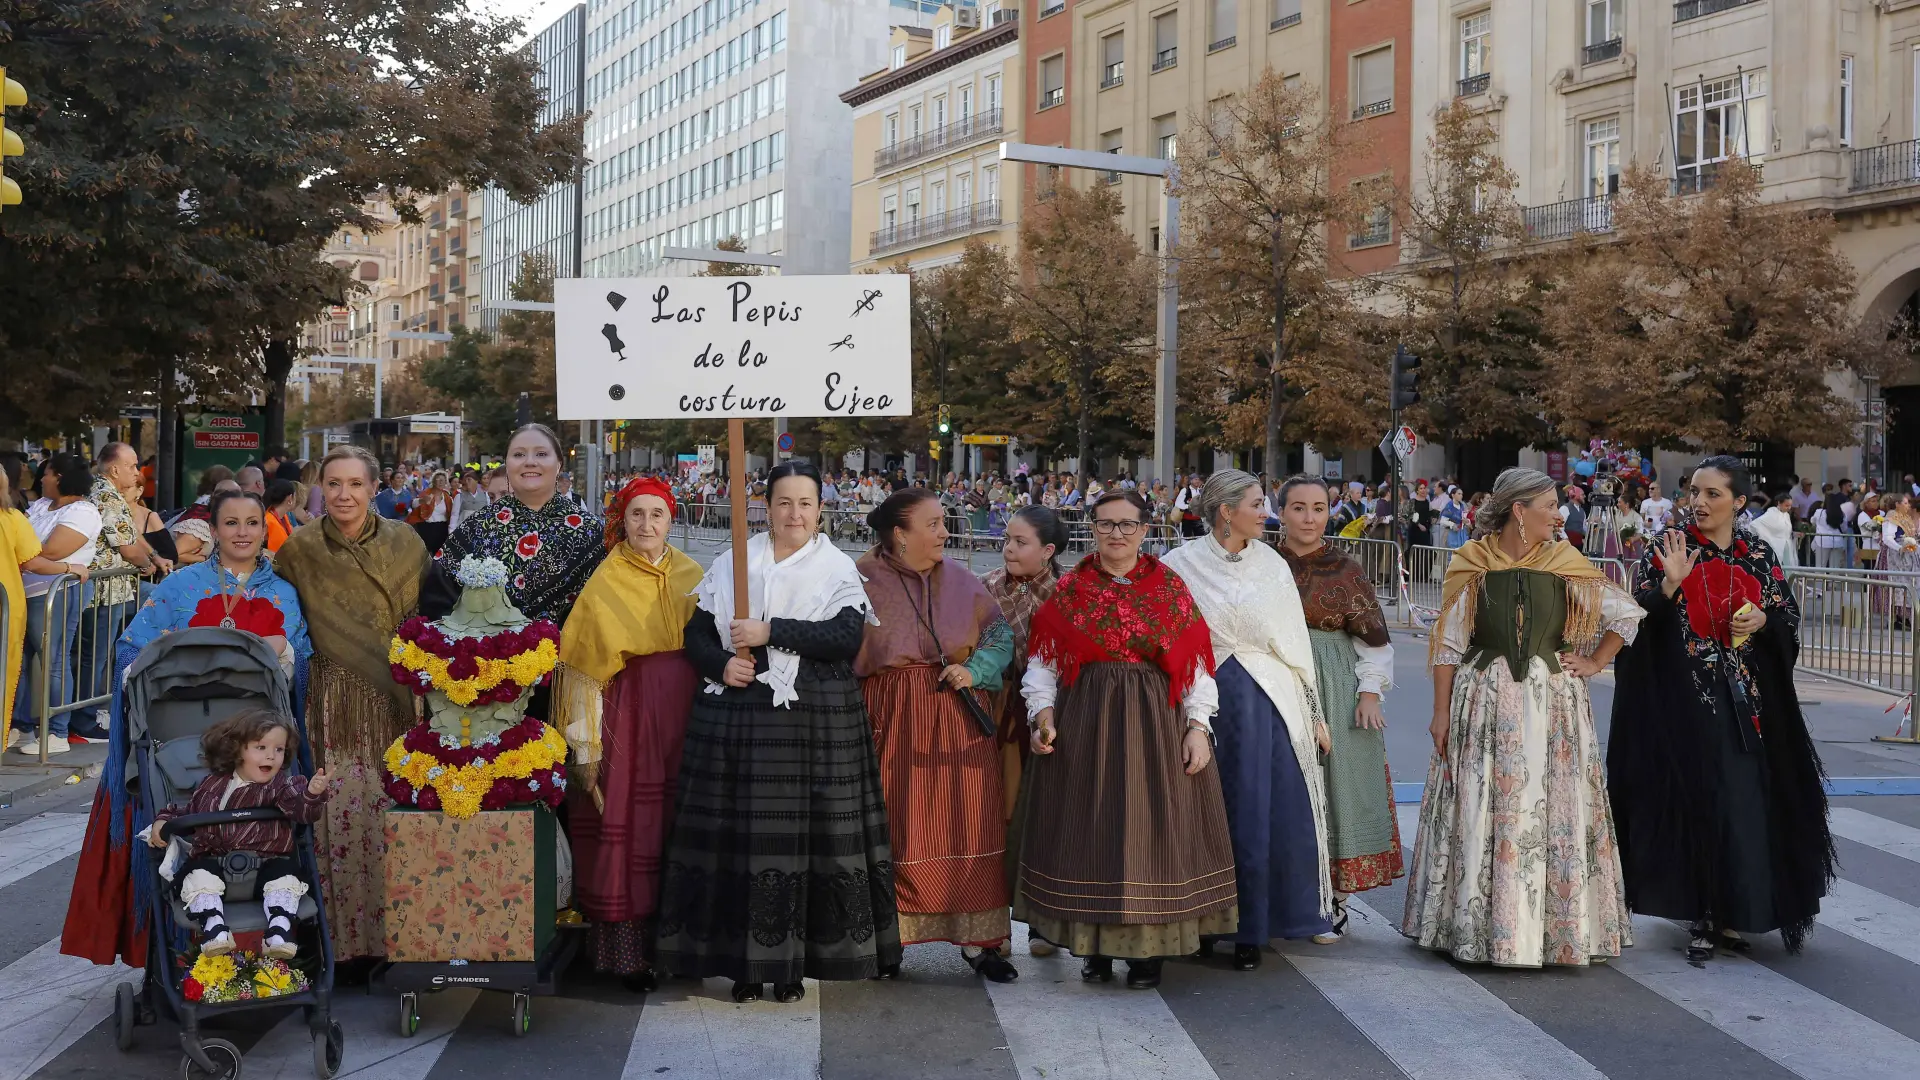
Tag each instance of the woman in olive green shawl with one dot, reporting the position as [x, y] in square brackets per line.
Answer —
[358, 576]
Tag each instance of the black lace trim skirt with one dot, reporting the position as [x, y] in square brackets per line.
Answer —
[778, 865]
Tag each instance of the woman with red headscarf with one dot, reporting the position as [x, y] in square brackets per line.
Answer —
[621, 698]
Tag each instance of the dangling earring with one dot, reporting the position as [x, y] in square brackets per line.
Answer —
[1521, 518]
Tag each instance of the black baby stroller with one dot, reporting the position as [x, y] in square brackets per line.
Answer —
[179, 686]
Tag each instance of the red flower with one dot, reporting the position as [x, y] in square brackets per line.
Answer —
[503, 516]
[192, 990]
[462, 667]
[1779, 574]
[519, 581]
[1714, 591]
[575, 520]
[529, 545]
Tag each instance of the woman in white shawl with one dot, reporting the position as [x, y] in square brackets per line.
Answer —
[778, 866]
[1775, 526]
[1269, 727]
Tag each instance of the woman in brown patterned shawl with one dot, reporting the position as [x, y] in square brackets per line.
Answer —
[1035, 539]
[1353, 664]
[358, 575]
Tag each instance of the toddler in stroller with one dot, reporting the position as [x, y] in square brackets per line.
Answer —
[246, 756]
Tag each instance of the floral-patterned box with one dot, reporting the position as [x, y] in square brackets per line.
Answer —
[478, 888]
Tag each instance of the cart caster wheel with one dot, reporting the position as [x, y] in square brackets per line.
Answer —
[225, 1057]
[123, 1016]
[409, 1016]
[329, 1047]
[522, 1015]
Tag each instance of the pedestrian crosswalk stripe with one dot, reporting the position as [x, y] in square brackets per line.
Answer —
[697, 1033]
[1432, 1020]
[37, 843]
[47, 1002]
[1878, 832]
[1810, 1035]
[1063, 1029]
[375, 1049]
[1887, 924]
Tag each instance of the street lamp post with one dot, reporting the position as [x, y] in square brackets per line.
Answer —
[1167, 312]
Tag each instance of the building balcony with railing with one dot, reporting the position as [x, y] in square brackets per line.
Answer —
[1372, 108]
[1166, 58]
[1285, 21]
[1004, 15]
[1695, 9]
[1694, 179]
[1113, 75]
[940, 140]
[1473, 84]
[1601, 51]
[936, 227]
[1557, 221]
[1227, 42]
[1871, 168]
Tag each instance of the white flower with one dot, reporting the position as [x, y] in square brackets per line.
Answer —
[434, 773]
[533, 784]
[477, 572]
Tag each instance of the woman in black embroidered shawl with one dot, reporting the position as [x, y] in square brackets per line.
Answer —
[1716, 786]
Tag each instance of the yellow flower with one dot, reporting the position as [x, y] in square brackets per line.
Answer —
[462, 788]
[271, 982]
[212, 971]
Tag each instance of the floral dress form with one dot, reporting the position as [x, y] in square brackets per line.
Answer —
[1516, 862]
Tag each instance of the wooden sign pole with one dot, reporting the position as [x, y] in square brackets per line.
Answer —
[737, 501]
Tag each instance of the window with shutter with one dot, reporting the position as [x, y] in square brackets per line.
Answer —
[1225, 24]
[1113, 60]
[1166, 40]
[1373, 82]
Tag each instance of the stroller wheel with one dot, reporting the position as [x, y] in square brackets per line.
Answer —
[409, 1015]
[329, 1047]
[225, 1057]
[522, 1015]
[123, 1016]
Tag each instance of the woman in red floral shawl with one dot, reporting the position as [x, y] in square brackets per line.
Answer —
[1126, 852]
[1715, 783]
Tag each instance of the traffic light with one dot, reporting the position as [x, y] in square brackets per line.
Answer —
[1405, 381]
[935, 445]
[946, 420]
[11, 95]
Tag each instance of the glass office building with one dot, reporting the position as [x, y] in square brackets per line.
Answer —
[718, 118]
[551, 223]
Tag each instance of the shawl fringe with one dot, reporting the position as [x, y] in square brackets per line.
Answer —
[578, 706]
[1586, 589]
[353, 713]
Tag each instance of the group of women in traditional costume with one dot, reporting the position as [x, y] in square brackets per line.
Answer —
[1709, 808]
[1137, 757]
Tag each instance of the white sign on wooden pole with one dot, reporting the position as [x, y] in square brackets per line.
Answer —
[731, 348]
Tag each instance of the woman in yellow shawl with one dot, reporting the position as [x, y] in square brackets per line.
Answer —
[358, 575]
[622, 697]
[1516, 864]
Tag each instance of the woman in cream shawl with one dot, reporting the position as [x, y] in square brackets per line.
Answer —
[1269, 727]
[358, 575]
[1516, 863]
[621, 698]
[778, 867]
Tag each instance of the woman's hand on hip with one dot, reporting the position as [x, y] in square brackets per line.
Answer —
[1196, 749]
[1580, 666]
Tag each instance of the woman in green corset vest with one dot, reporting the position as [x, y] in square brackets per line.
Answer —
[1516, 862]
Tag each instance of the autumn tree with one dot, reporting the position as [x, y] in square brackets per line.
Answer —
[1469, 304]
[1084, 305]
[1712, 319]
[1269, 324]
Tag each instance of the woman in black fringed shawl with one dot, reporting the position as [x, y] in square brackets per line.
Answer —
[1717, 790]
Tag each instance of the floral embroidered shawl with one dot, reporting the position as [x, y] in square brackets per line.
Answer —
[1093, 618]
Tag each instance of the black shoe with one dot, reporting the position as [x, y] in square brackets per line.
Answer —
[1143, 974]
[1096, 969]
[1205, 951]
[788, 993]
[888, 971]
[993, 967]
[1700, 943]
[744, 992]
[642, 982]
[1246, 957]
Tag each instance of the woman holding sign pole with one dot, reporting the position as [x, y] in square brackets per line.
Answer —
[778, 866]
[938, 642]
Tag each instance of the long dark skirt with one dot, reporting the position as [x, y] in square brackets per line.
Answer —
[617, 846]
[778, 866]
[432, 533]
[1276, 856]
[1125, 854]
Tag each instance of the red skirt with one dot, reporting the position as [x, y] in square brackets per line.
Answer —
[616, 850]
[100, 921]
[943, 786]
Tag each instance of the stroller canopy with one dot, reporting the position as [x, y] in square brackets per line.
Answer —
[184, 682]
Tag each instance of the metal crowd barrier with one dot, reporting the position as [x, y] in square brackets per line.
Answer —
[72, 618]
[1856, 626]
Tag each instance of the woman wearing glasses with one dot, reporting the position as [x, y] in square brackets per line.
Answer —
[1126, 852]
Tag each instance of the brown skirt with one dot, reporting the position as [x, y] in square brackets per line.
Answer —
[1117, 833]
[942, 780]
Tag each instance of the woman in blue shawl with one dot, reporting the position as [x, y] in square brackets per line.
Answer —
[235, 588]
